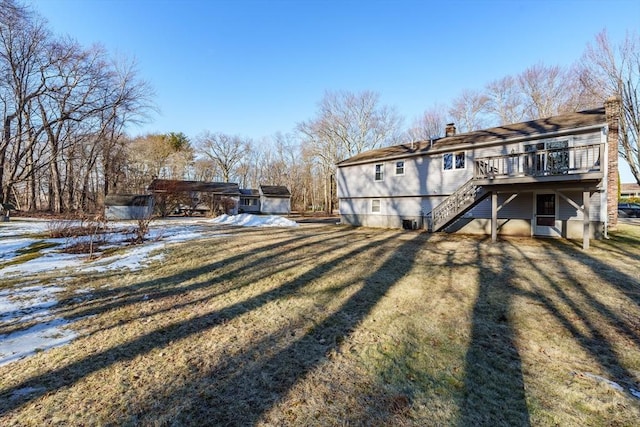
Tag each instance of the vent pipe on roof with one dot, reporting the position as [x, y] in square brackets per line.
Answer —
[450, 129]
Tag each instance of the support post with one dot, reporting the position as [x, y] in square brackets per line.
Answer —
[586, 197]
[494, 216]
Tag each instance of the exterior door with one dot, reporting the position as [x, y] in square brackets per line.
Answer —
[545, 216]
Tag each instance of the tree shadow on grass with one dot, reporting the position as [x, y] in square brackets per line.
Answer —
[284, 368]
[590, 322]
[590, 329]
[494, 385]
[495, 392]
[621, 242]
[259, 385]
[106, 299]
[624, 282]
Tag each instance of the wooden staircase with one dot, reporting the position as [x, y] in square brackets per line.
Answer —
[454, 206]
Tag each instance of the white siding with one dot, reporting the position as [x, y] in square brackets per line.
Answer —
[423, 176]
[128, 212]
[275, 205]
[521, 207]
[425, 183]
[566, 211]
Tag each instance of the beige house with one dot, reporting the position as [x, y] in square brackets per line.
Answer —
[555, 177]
[629, 190]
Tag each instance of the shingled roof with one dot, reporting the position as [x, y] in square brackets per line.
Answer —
[249, 192]
[126, 199]
[531, 128]
[173, 185]
[275, 191]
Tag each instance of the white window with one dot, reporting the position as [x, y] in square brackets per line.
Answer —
[375, 206]
[451, 161]
[400, 167]
[379, 174]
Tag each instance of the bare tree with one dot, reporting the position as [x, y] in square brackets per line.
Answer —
[430, 125]
[292, 174]
[468, 109]
[609, 70]
[277, 161]
[64, 110]
[247, 171]
[23, 45]
[226, 151]
[205, 170]
[504, 101]
[548, 90]
[346, 124]
[73, 96]
[128, 99]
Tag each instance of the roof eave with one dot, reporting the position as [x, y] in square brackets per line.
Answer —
[449, 147]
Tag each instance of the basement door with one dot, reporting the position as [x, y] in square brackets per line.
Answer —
[545, 216]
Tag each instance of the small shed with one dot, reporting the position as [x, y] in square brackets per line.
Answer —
[275, 199]
[128, 206]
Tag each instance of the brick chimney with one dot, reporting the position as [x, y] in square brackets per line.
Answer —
[450, 129]
[612, 108]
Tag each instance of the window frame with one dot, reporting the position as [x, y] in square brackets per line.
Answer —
[399, 169]
[454, 155]
[379, 206]
[378, 172]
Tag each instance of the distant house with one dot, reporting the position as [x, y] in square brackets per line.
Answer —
[128, 206]
[275, 199]
[555, 176]
[629, 190]
[190, 197]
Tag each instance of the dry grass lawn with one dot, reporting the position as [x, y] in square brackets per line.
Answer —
[329, 325]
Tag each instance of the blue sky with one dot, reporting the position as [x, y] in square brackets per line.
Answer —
[256, 67]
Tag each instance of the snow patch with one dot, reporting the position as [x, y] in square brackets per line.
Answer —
[31, 301]
[133, 259]
[249, 220]
[40, 337]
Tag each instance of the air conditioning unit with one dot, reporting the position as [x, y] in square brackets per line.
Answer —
[409, 224]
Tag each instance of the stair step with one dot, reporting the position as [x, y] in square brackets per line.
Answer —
[464, 198]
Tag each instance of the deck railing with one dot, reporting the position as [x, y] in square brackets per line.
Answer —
[544, 162]
[539, 163]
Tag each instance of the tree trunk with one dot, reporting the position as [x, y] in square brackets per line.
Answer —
[70, 185]
[55, 187]
[4, 193]
[31, 183]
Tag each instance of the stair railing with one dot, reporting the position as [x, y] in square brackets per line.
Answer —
[453, 205]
